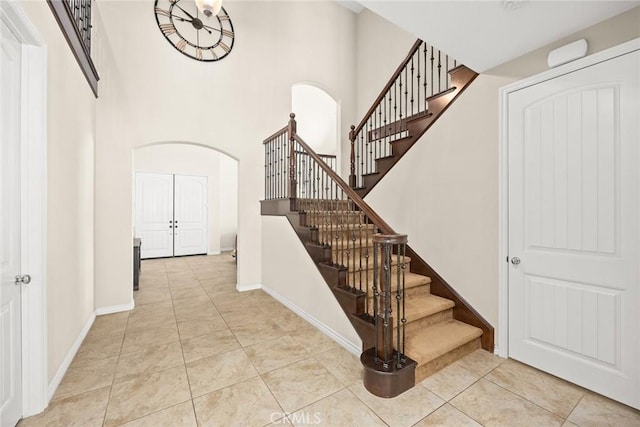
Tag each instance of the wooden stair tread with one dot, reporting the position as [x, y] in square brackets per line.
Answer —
[420, 306]
[441, 338]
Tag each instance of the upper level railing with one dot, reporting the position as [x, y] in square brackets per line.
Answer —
[363, 246]
[81, 10]
[74, 19]
[423, 74]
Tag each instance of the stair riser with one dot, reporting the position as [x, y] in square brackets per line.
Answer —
[309, 205]
[418, 291]
[356, 269]
[345, 235]
[358, 255]
[335, 218]
[418, 325]
[319, 253]
[430, 368]
[409, 293]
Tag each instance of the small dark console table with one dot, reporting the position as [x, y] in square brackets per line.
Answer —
[136, 262]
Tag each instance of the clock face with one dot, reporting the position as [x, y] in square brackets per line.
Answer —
[192, 33]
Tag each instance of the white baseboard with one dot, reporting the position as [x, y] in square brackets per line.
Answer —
[214, 253]
[345, 343]
[250, 287]
[227, 249]
[55, 382]
[115, 308]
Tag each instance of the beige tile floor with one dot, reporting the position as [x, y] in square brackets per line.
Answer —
[196, 352]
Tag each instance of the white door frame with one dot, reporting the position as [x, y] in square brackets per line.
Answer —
[503, 173]
[33, 154]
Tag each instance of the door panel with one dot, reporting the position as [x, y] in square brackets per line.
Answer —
[573, 222]
[154, 214]
[10, 236]
[191, 236]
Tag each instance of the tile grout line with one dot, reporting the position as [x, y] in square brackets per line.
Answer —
[106, 410]
[525, 399]
[184, 361]
[574, 408]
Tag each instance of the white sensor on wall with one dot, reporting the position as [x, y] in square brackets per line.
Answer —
[567, 53]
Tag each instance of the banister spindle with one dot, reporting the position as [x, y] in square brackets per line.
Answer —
[439, 73]
[352, 157]
[383, 251]
[292, 159]
[432, 58]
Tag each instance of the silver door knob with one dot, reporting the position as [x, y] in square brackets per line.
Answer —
[23, 279]
[515, 260]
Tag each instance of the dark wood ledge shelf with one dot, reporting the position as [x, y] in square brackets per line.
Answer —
[64, 16]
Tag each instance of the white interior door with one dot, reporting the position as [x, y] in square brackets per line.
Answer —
[574, 224]
[154, 214]
[191, 236]
[10, 236]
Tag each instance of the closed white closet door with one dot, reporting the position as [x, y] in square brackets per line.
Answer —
[10, 235]
[191, 236]
[574, 223]
[154, 214]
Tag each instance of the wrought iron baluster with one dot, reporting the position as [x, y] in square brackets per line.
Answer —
[360, 261]
[375, 298]
[432, 58]
[403, 318]
[398, 302]
[439, 74]
[412, 87]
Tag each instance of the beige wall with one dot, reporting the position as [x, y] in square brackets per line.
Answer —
[230, 105]
[449, 206]
[70, 133]
[184, 159]
[288, 270]
[113, 177]
[380, 49]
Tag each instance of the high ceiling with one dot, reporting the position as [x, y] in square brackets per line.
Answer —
[484, 34]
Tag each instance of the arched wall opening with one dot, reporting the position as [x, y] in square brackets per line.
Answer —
[221, 170]
[318, 118]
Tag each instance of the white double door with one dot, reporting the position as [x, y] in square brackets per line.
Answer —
[171, 214]
[10, 230]
[574, 227]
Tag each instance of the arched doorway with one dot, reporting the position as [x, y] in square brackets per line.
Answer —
[318, 118]
[220, 173]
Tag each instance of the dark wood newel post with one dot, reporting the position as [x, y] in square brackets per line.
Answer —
[292, 161]
[352, 173]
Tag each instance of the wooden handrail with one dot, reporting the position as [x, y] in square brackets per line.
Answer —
[275, 134]
[386, 87]
[328, 156]
[364, 207]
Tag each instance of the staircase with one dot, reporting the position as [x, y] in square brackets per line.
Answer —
[433, 338]
[411, 322]
[421, 89]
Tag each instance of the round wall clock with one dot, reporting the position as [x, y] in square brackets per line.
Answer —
[201, 37]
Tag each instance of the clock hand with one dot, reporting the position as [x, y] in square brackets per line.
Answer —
[179, 18]
[187, 13]
[192, 18]
[215, 29]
